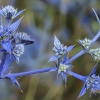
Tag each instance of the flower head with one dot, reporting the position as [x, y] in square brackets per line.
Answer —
[59, 49]
[85, 43]
[18, 50]
[62, 68]
[91, 82]
[22, 37]
[95, 53]
[9, 12]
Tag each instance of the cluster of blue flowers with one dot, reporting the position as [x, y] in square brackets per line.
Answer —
[13, 47]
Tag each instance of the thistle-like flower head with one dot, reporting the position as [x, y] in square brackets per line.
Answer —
[9, 12]
[95, 53]
[85, 43]
[22, 37]
[59, 49]
[93, 83]
[18, 50]
[62, 68]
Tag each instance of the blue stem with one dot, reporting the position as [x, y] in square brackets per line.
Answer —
[82, 78]
[8, 24]
[83, 51]
[2, 50]
[3, 61]
[75, 57]
[95, 38]
[30, 72]
[6, 66]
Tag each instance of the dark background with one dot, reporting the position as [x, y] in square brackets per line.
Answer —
[69, 20]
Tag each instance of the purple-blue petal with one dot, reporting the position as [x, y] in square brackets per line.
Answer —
[15, 25]
[14, 81]
[56, 42]
[20, 12]
[7, 46]
[70, 48]
[93, 70]
[83, 91]
[64, 75]
[65, 58]
[53, 58]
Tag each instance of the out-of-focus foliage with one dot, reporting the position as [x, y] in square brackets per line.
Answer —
[69, 20]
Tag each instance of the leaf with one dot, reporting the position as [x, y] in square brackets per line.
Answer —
[19, 12]
[83, 91]
[53, 58]
[56, 42]
[15, 25]
[70, 48]
[7, 46]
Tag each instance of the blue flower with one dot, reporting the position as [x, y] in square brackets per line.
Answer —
[91, 82]
[59, 50]
[23, 38]
[10, 12]
[6, 35]
[5, 41]
[95, 53]
[62, 67]
[85, 44]
[17, 51]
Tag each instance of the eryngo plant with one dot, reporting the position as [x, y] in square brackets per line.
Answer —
[13, 46]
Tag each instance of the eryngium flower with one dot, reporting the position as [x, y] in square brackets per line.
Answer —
[62, 67]
[95, 53]
[18, 50]
[59, 49]
[85, 43]
[93, 83]
[10, 12]
[22, 37]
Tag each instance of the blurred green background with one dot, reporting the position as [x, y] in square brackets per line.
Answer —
[69, 20]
